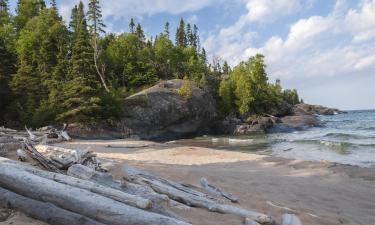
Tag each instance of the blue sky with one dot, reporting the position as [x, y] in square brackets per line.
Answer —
[324, 48]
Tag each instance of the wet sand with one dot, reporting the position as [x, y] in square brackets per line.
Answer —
[320, 193]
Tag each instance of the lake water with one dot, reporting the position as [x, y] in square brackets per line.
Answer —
[346, 138]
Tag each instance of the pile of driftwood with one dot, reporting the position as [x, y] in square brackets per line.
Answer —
[71, 191]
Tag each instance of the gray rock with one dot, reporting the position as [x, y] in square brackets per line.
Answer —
[158, 113]
[255, 126]
[306, 109]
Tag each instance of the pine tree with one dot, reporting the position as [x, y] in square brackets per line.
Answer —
[94, 16]
[141, 36]
[26, 10]
[189, 35]
[132, 26]
[226, 68]
[181, 35]
[166, 29]
[81, 102]
[38, 45]
[96, 28]
[53, 4]
[204, 55]
[73, 24]
[195, 38]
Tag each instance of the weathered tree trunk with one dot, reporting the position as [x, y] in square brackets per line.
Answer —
[94, 206]
[43, 211]
[216, 190]
[108, 192]
[250, 222]
[158, 200]
[192, 199]
[290, 219]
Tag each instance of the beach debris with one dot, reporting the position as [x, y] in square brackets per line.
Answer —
[64, 194]
[290, 219]
[22, 155]
[204, 183]
[188, 196]
[250, 222]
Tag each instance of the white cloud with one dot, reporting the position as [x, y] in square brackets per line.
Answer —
[126, 8]
[331, 45]
[269, 10]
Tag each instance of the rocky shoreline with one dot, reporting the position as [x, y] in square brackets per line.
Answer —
[162, 113]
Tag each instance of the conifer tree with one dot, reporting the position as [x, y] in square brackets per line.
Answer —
[189, 35]
[195, 38]
[73, 19]
[166, 29]
[96, 28]
[141, 36]
[38, 45]
[26, 10]
[181, 35]
[132, 26]
[80, 94]
[53, 4]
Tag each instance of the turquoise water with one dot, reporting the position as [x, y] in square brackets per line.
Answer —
[346, 138]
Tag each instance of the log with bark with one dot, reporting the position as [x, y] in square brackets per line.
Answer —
[81, 201]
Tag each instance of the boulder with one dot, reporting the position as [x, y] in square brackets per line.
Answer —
[255, 126]
[306, 109]
[161, 112]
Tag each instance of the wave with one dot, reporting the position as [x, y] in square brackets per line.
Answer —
[234, 140]
[346, 136]
[341, 147]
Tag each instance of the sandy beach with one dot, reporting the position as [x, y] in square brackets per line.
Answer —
[320, 193]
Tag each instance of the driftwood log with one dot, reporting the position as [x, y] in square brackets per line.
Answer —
[80, 201]
[172, 190]
[159, 201]
[290, 219]
[108, 192]
[42, 211]
[216, 190]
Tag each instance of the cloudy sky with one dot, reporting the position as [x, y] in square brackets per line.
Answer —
[324, 48]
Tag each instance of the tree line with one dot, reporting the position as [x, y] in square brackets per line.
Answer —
[52, 72]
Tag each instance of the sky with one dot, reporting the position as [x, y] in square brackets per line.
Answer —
[323, 48]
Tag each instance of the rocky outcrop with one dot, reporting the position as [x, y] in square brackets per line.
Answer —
[255, 126]
[161, 112]
[305, 109]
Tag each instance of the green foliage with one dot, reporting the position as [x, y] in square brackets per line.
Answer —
[291, 96]
[185, 89]
[252, 91]
[52, 73]
[226, 97]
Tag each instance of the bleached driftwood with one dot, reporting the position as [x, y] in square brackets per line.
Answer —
[64, 157]
[186, 197]
[34, 154]
[144, 191]
[250, 222]
[290, 219]
[108, 192]
[216, 190]
[22, 155]
[83, 202]
[41, 210]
